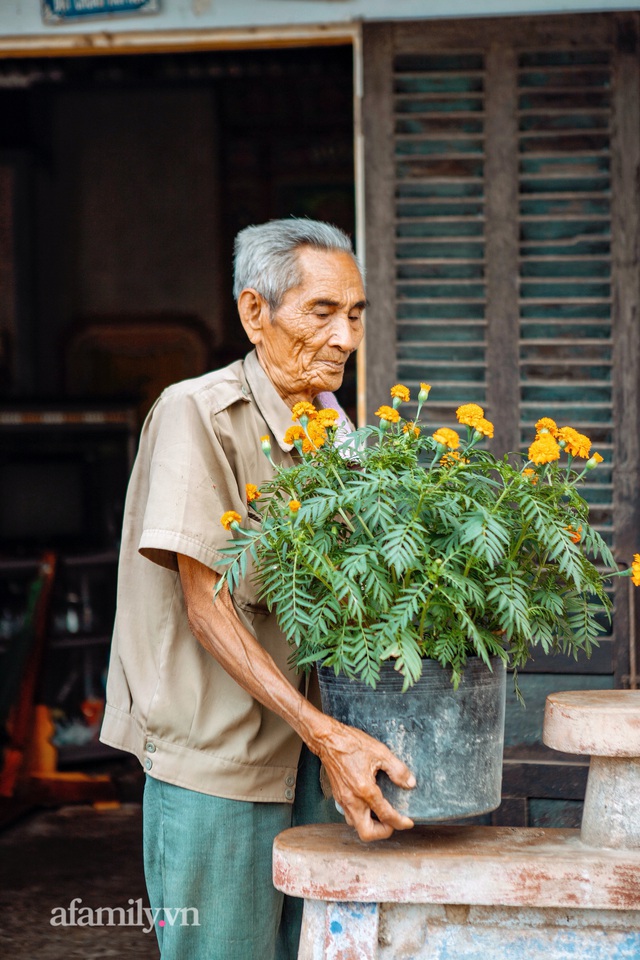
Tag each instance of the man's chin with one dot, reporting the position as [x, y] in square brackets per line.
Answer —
[329, 382]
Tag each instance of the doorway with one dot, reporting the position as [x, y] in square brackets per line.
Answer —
[123, 183]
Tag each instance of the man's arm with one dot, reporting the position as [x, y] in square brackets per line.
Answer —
[351, 758]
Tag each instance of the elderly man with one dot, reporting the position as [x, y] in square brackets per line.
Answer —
[219, 723]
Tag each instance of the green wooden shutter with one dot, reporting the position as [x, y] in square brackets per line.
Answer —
[502, 247]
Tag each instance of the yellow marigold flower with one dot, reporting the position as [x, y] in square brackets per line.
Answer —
[575, 534]
[328, 417]
[388, 414]
[316, 437]
[294, 505]
[469, 414]
[229, 518]
[425, 390]
[447, 438]
[304, 409]
[573, 442]
[547, 425]
[635, 570]
[400, 392]
[485, 427]
[544, 449]
[252, 492]
[531, 474]
[593, 461]
[411, 428]
[294, 433]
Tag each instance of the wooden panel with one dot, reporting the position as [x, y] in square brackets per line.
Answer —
[501, 178]
[380, 339]
[626, 327]
[551, 780]
[545, 32]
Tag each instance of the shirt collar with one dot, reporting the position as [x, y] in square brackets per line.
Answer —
[273, 408]
[271, 405]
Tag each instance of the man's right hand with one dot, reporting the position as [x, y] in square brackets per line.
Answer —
[352, 759]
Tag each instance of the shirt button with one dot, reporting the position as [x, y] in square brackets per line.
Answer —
[288, 794]
[148, 763]
[290, 780]
[150, 747]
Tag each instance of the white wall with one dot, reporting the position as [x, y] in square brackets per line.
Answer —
[23, 17]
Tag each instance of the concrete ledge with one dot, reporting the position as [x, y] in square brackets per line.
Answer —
[487, 866]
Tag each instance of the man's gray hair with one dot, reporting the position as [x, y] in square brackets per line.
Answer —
[265, 256]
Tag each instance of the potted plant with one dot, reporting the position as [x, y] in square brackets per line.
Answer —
[400, 559]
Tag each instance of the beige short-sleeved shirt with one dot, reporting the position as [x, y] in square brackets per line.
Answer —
[168, 701]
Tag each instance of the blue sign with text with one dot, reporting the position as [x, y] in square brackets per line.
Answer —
[57, 10]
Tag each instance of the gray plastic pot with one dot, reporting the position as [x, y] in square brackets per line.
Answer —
[452, 740]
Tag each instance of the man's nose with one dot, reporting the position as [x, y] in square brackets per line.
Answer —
[346, 334]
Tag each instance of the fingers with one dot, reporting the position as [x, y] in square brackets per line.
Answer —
[369, 829]
[389, 815]
[398, 771]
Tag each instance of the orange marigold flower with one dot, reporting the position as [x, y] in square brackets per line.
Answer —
[575, 534]
[447, 438]
[304, 409]
[316, 437]
[400, 392]
[229, 518]
[252, 492]
[411, 428]
[573, 442]
[388, 414]
[294, 433]
[328, 417]
[469, 414]
[547, 425]
[593, 461]
[294, 505]
[425, 390]
[485, 427]
[635, 570]
[544, 449]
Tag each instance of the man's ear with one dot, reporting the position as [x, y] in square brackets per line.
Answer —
[254, 313]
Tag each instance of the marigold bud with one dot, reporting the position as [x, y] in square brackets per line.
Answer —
[231, 518]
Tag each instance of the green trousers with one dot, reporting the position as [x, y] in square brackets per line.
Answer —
[208, 870]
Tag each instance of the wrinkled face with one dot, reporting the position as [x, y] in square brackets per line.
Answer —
[305, 344]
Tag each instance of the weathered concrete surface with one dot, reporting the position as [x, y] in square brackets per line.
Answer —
[402, 931]
[451, 891]
[490, 866]
[601, 723]
[424, 932]
[611, 814]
